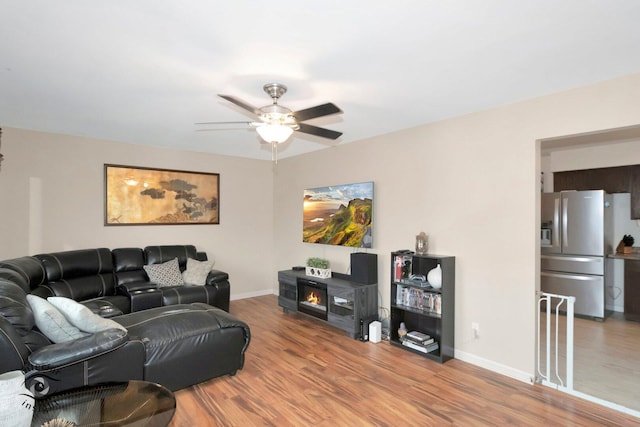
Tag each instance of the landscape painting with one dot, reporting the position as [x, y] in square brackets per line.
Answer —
[339, 215]
[146, 196]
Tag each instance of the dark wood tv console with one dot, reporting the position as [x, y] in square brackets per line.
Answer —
[349, 305]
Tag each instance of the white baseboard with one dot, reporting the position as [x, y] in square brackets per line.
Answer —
[495, 367]
[615, 308]
[253, 294]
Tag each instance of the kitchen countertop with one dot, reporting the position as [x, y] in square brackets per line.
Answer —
[633, 256]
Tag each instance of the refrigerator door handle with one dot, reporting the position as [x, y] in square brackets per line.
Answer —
[572, 264]
[556, 224]
[571, 258]
[565, 216]
[567, 276]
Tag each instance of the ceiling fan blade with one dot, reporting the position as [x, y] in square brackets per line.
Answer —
[223, 123]
[241, 104]
[317, 111]
[221, 129]
[317, 131]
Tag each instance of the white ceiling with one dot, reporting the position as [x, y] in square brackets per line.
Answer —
[144, 71]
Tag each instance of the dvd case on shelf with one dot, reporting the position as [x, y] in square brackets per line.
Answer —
[409, 296]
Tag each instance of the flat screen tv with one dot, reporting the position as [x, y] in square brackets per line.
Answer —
[339, 215]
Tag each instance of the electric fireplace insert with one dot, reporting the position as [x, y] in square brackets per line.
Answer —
[312, 298]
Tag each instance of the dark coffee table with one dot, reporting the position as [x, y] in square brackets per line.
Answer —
[132, 403]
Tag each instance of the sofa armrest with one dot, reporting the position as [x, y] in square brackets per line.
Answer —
[59, 355]
[220, 280]
[217, 276]
[131, 287]
[142, 294]
[121, 362]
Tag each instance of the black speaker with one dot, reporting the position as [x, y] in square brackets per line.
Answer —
[364, 268]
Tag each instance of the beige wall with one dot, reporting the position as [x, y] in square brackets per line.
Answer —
[616, 153]
[472, 184]
[52, 197]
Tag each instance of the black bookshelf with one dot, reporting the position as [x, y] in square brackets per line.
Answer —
[420, 306]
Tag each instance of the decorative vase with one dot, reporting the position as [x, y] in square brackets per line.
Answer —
[422, 244]
[16, 401]
[402, 331]
[434, 277]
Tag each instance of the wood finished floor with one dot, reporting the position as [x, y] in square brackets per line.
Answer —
[301, 372]
[606, 361]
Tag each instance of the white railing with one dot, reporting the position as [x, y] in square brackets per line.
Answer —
[552, 373]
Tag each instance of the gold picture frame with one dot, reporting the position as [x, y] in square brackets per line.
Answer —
[147, 196]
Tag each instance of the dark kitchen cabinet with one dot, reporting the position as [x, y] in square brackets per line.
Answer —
[632, 289]
[634, 189]
[620, 179]
[612, 180]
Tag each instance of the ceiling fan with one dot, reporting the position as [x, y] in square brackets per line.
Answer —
[276, 123]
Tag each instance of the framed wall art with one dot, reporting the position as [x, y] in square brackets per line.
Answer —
[339, 215]
[146, 196]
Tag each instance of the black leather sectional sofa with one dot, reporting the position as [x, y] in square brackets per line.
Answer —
[176, 335]
[115, 279]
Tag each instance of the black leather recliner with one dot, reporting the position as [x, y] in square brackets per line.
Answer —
[175, 346]
[131, 277]
[84, 275]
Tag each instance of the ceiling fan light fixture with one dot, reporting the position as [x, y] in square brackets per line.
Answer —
[274, 132]
[277, 123]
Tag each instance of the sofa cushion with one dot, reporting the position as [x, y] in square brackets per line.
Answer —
[164, 253]
[127, 264]
[187, 344]
[197, 272]
[51, 322]
[82, 317]
[79, 274]
[29, 269]
[14, 307]
[165, 274]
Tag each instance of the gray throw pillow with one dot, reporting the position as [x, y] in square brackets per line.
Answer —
[197, 272]
[165, 274]
[51, 322]
[82, 317]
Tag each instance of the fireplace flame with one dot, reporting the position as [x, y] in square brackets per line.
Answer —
[313, 298]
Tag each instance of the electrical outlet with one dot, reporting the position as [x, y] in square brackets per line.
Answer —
[475, 327]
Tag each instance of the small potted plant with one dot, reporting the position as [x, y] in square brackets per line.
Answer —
[318, 267]
[628, 242]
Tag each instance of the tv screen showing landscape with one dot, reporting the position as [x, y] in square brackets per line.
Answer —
[338, 215]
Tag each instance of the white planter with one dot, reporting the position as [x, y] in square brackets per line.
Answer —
[16, 401]
[321, 273]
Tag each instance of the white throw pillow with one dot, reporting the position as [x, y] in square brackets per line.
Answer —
[165, 274]
[82, 317]
[197, 272]
[51, 322]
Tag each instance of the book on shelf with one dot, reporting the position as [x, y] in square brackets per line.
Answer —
[417, 336]
[422, 348]
[432, 347]
[422, 342]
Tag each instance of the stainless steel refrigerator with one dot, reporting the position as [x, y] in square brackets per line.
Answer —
[575, 239]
